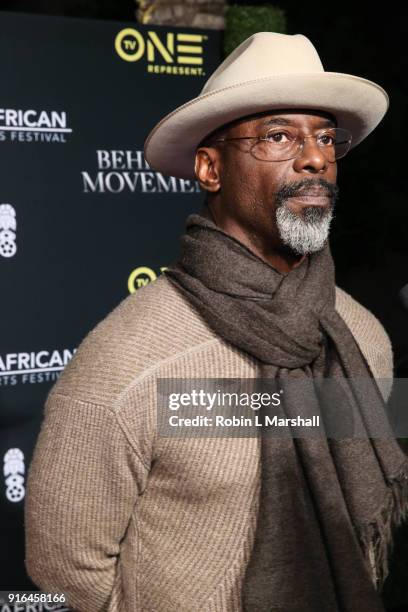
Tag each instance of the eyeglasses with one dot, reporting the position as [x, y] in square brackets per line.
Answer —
[282, 144]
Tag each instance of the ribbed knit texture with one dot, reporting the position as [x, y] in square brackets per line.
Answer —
[122, 520]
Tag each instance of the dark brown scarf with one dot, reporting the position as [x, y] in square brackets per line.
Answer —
[328, 506]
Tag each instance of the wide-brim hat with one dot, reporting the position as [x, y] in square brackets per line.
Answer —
[267, 71]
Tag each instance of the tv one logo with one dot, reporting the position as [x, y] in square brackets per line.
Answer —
[175, 53]
[139, 277]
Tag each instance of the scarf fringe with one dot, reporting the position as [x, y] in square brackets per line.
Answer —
[377, 536]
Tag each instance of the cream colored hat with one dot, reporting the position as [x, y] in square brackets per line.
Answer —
[265, 72]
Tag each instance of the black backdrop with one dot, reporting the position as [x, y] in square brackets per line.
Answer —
[74, 232]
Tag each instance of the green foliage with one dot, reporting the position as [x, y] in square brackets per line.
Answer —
[243, 21]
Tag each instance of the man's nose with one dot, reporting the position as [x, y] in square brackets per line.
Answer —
[310, 157]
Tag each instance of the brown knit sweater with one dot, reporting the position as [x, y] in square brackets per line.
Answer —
[121, 519]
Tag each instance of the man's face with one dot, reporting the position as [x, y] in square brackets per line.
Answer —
[255, 200]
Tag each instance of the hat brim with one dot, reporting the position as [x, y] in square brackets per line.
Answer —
[357, 103]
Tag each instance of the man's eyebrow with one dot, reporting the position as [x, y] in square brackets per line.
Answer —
[283, 121]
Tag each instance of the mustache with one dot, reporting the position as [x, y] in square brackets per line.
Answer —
[292, 190]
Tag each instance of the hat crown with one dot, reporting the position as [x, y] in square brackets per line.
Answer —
[265, 54]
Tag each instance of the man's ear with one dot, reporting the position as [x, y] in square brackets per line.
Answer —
[207, 168]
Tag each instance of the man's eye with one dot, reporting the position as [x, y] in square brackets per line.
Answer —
[326, 139]
[276, 136]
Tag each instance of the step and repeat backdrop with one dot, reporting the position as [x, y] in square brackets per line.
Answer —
[84, 221]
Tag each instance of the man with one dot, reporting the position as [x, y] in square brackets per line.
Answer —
[119, 517]
[270, 212]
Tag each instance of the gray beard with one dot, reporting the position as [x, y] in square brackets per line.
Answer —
[304, 234]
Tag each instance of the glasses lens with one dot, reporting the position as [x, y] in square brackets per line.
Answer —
[343, 140]
[280, 144]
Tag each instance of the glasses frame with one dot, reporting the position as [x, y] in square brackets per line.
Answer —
[300, 145]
